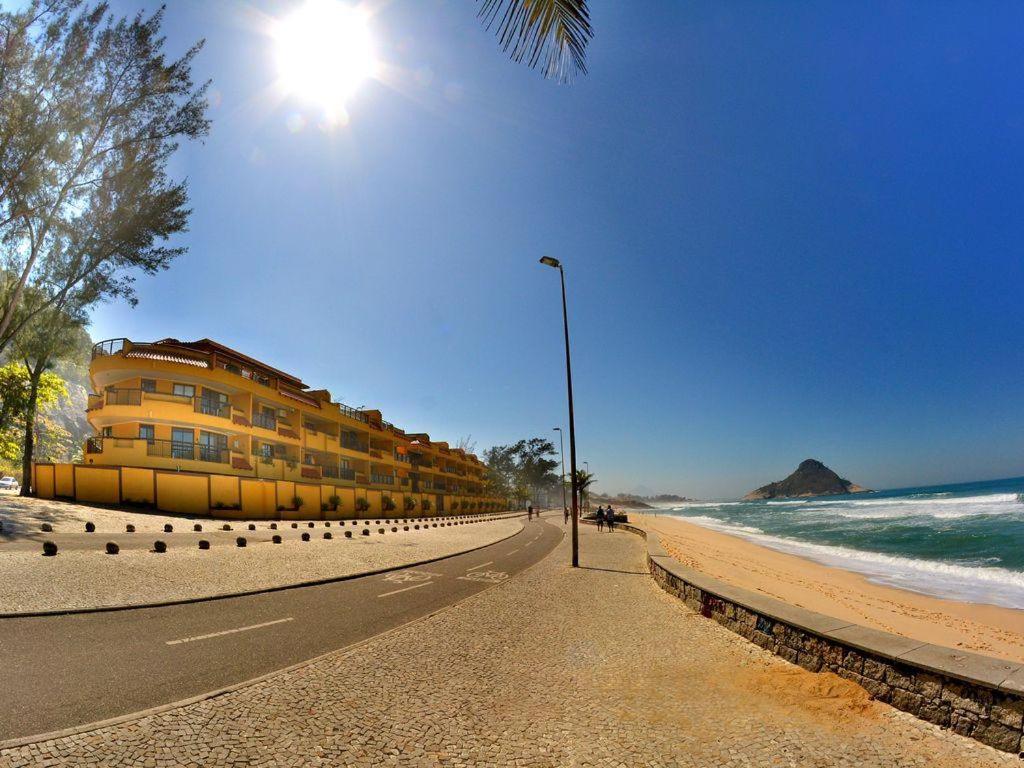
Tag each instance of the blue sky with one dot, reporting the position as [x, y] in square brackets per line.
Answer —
[790, 230]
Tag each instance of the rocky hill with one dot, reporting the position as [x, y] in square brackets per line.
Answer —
[811, 478]
[635, 501]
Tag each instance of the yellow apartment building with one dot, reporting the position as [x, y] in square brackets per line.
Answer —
[197, 427]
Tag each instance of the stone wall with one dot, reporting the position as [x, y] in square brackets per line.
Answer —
[974, 695]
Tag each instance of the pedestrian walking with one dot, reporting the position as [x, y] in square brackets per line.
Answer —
[609, 516]
[599, 518]
[566, 521]
[529, 512]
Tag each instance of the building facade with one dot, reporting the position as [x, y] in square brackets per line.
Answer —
[171, 415]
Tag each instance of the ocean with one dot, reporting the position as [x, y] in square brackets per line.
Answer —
[964, 541]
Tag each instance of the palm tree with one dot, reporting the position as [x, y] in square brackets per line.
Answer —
[584, 480]
[552, 34]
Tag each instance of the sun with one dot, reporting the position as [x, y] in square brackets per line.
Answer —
[324, 52]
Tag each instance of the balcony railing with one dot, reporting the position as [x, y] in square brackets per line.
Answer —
[349, 441]
[382, 479]
[212, 407]
[352, 413]
[177, 449]
[264, 421]
[124, 397]
[108, 347]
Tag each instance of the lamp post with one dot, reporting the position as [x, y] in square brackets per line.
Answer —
[561, 457]
[556, 264]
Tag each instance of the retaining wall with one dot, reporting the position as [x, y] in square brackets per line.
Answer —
[973, 695]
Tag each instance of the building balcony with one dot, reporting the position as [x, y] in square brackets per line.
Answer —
[133, 451]
[264, 422]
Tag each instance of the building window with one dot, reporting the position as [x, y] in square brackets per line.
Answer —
[211, 446]
[148, 385]
[181, 443]
[185, 390]
[108, 432]
[147, 432]
[214, 403]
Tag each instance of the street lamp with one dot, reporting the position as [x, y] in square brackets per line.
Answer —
[561, 457]
[554, 263]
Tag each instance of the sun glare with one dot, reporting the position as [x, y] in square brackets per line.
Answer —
[324, 52]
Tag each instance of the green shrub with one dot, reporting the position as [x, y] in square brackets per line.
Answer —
[297, 502]
[410, 503]
[425, 505]
[362, 504]
[387, 503]
[334, 501]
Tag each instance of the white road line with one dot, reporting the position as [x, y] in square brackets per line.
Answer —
[489, 562]
[511, 551]
[406, 589]
[228, 631]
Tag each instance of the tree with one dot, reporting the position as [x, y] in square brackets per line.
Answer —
[53, 333]
[19, 395]
[90, 113]
[520, 470]
[552, 34]
[584, 480]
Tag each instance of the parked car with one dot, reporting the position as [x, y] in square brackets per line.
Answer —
[8, 483]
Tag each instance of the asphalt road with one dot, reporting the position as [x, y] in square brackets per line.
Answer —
[61, 671]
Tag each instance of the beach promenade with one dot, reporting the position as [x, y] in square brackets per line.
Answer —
[554, 667]
[986, 629]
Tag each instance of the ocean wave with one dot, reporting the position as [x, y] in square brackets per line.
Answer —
[992, 498]
[993, 585]
[721, 525]
[949, 508]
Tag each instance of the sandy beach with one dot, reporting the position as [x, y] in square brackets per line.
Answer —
[986, 629]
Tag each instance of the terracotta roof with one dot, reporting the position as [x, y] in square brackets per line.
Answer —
[209, 345]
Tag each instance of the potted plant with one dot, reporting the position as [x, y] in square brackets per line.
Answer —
[362, 505]
[334, 501]
[425, 505]
[297, 502]
[387, 503]
[410, 503]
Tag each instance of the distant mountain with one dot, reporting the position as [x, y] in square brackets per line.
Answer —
[811, 478]
[635, 501]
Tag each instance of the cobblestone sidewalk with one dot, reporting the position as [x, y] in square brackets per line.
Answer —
[557, 667]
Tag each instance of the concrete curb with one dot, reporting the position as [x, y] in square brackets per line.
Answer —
[974, 695]
[263, 591]
[341, 652]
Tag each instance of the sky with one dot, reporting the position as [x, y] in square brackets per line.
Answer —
[789, 230]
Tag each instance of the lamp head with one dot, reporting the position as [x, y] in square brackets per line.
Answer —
[557, 429]
[551, 262]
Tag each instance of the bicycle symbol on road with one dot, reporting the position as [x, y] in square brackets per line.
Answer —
[490, 577]
[408, 577]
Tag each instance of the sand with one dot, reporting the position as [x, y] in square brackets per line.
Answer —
[986, 629]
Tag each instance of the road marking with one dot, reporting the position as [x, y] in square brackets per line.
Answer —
[401, 577]
[228, 631]
[511, 551]
[406, 589]
[489, 562]
[492, 577]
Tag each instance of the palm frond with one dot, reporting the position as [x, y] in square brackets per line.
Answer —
[552, 34]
